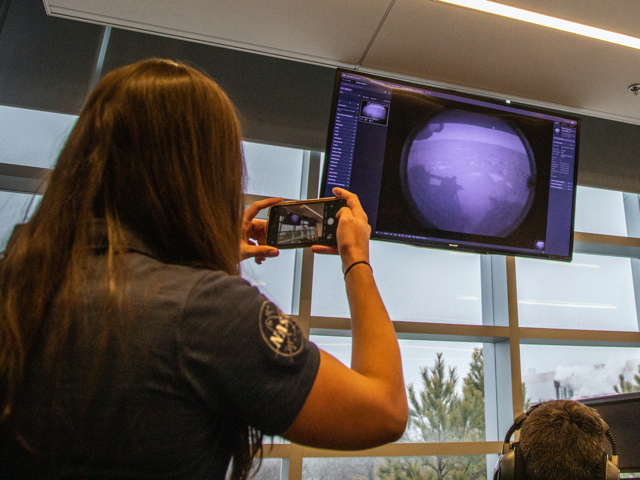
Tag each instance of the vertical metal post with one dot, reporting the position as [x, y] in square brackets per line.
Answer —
[303, 280]
[488, 351]
[97, 73]
[292, 467]
[497, 361]
[632, 213]
[635, 275]
[514, 337]
[632, 217]
[297, 275]
[313, 182]
[284, 469]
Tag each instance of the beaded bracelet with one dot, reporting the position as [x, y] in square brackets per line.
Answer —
[354, 264]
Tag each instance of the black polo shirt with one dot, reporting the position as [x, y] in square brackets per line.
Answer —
[192, 354]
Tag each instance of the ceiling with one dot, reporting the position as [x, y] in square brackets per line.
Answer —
[421, 40]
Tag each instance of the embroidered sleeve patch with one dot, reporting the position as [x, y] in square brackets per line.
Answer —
[279, 331]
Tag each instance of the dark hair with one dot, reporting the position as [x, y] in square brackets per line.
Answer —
[563, 440]
[156, 150]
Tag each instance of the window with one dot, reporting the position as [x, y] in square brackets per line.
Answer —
[270, 469]
[14, 208]
[32, 137]
[600, 211]
[429, 369]
[569, 372]
[392, 468]
[593, 292]
[273, 171]
[274, 278]
[416, 284]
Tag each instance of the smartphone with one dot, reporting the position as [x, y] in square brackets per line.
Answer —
[304, 223]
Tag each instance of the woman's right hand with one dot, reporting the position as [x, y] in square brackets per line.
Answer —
[353, 231]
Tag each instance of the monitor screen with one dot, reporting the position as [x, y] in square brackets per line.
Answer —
[622, 414]
[448, 170]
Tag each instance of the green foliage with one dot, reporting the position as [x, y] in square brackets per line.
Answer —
[433, 409]
[628, 387]
[438, 413]
[472, 406]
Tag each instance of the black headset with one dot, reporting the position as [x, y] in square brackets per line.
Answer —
[511, 465]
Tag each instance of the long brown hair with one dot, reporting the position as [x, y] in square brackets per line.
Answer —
[157, 150]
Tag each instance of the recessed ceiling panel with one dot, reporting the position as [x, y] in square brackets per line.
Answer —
[482, 52]
[329, 31]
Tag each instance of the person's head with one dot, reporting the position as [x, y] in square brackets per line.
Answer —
[563, 440]
[157, 147]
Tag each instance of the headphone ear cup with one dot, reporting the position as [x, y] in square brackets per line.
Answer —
[505, 466]
[610, 470]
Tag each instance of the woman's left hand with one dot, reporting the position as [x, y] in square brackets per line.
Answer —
[254, 233]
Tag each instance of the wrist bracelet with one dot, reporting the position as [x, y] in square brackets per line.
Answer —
[354, 264]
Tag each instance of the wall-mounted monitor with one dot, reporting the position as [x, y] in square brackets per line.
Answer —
[442, 169]
[622, 414]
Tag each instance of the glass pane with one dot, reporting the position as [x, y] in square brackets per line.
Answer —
[600, 211]
[550, 371]
[269, 469]
[416, 284]
[276, 440]
[15, 208]
[591, 293]
[32, 137]
[274, 278]
[453, 364]
[273, 171]
[452, 467]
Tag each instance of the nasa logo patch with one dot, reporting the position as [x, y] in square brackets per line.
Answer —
[281, 333]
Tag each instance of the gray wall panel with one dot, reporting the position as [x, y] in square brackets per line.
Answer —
[46, 63]
[280, 101]
[609, 155]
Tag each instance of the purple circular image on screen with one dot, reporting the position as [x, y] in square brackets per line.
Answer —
[470, 173]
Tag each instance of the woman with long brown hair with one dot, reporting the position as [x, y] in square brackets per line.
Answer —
[129, 345]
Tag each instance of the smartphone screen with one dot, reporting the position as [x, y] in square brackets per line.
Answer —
[304, 223]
